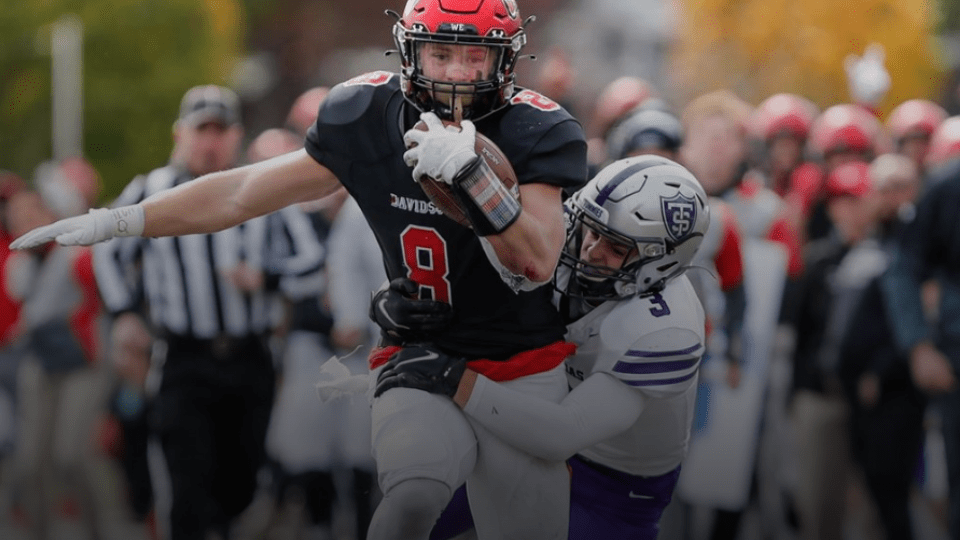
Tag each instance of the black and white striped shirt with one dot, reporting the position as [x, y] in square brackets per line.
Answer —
[181, 278]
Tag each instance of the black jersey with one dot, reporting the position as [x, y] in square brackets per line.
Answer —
[359, 136]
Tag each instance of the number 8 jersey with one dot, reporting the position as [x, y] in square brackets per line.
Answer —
[359, 136]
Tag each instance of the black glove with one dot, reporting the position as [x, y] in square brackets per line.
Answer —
[424, 368]
[397, 311]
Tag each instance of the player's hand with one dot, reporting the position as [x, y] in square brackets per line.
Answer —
[931, 370]
[867, 77]
[399, 312]
[441, 151]
[97, 225]
[424, 368]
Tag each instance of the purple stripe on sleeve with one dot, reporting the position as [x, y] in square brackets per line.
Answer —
[660, 354]
[661, 382]
[645, 368]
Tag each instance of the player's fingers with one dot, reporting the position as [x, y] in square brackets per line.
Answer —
[72, 238]
[468, 129]
[431, 120]
[34, 238]
[413, 137]
[384, 384]
[412, 157]
[405, 286]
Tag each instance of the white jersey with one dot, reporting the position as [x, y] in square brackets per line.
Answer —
[654, 345]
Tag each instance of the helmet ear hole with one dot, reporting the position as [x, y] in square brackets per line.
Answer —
[666, 267]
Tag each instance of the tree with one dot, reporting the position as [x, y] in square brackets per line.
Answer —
[139, 58]
[760, 47]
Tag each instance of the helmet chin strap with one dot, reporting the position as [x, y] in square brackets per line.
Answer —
[573, 305]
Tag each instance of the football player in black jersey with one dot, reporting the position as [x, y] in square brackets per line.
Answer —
[457, 62]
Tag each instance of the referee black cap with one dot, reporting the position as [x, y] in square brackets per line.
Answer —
[210, 103]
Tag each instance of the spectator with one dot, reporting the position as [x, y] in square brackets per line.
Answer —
[886, 408]
[62, 383]
[930, 249]
[838, 269]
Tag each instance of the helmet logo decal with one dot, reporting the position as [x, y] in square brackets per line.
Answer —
[512, 9]
[679, 215]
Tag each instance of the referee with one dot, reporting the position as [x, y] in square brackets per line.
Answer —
[211, 301]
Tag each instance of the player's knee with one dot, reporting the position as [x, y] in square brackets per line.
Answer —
[417, 503]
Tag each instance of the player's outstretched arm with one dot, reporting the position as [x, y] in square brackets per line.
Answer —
[223, 199]
[599, 408]
[208, 204]
[596, 410]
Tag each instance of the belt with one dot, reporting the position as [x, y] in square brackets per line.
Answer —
[220, 347]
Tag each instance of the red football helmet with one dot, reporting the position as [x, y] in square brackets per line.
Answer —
[492, 23]
[918, 116]
[781, 114]
[845, 128]
[945, 142]
[851, 179]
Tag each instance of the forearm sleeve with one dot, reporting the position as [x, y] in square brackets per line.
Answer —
[594, 411]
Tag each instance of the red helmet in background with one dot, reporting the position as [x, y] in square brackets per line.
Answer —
[491, 23]
[945, 142]
[846, 128]
[781, 114]
[618, 98]
[851, 179]
[920, 116]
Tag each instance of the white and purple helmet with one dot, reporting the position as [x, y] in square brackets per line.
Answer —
[649, 202]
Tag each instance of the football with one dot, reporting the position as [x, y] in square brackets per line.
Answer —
[442, 197]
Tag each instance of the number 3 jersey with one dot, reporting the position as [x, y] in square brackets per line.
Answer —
[359, 137]
[653, 344]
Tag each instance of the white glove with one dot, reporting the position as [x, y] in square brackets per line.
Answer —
[867, 77]
[336, 381]
[440, 152]
[97, 225]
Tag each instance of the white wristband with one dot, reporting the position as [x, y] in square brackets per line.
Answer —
[123, 221]
[128, 220]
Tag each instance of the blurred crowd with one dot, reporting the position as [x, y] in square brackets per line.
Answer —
[857, 424]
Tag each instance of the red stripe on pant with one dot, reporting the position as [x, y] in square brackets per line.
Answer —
[519, 365]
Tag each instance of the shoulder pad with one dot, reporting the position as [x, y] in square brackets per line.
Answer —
[543, 141]
[347, 101]
[351, 122]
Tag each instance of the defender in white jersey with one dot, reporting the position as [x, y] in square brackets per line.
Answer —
[639, 328]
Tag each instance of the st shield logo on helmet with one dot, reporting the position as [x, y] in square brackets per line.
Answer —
[679, 215]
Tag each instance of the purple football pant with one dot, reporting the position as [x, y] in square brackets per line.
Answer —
[456, 517]
[604, 503]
